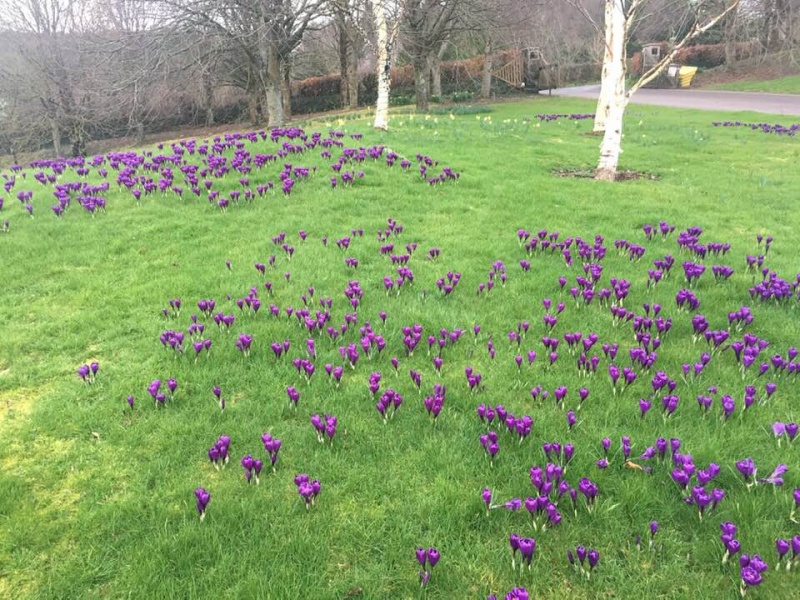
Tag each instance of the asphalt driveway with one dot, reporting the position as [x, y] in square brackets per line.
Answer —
[777, 104]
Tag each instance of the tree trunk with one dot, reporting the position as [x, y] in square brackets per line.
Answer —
[55, 131]
[606, 83]
[286, 89]
[252, 106]
[344, 60]
[421, 78]
[729, 27]
[139, 129]
[208, 99]
[273, 93]
[435, 68]
[352, 80]
[614, 71]
[384, 66]
[486, 79]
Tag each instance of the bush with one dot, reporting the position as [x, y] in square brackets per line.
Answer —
[464, 96]
[402, 100]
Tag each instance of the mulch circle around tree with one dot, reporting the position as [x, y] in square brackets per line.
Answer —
[622, 175]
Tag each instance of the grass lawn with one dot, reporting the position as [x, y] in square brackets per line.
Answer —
[782, 85]
[97, 499]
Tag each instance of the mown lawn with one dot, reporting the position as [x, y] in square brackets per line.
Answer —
[782, 85]
[97, 499]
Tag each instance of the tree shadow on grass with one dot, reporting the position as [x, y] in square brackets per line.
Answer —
[622, 174]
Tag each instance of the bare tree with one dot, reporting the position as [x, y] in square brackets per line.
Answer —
[386, 15]
[620, 15]
[45, 36]
[427, 25]
[348, 16]
[264, 32]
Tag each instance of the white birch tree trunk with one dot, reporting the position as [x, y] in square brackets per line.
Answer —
[606, 83]
[384, 66]
[619, 19]
[614, 71]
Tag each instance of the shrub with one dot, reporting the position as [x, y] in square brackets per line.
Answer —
[464, 96]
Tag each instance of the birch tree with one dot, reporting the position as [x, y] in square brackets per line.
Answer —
[386, 14]
[619, 19]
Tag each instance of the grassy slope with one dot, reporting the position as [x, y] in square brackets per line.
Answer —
[782, 85]
[110, 517]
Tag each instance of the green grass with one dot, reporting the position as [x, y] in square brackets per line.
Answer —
[782, 85]
[97, 501]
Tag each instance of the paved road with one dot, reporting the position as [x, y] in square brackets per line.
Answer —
[777, 104]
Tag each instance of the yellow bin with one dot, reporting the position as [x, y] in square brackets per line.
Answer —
[685, 76]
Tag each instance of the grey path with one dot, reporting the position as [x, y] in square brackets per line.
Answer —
[777, 104]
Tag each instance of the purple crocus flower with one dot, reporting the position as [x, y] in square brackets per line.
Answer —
[203, 498]
[526, 549]
[782, 547]
[776, 477]
[593, 557]
[571, 419]
[293, 395]
[422, 556]
[486, 496]
[747, 468]
[644, 406]
[433, 557]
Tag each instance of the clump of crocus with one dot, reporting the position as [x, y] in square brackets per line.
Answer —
[325, 426]
[88, 373]
[308, 489]
[448, 283]
[272, 445]
[490, 445]
[174, 309]
[388, 404]
[729, 541]
[252, 468]
[473, 379]
[154, 389]
[584, 560]
[217, 391]
[620, 379]
[590, 491]
[525, 547]
[243, 343]
[433, 404]
[293, 395]
[203, 498]
[218, 453]
[784, 429]
[751, 568]
[517, 593]
[427, 559]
